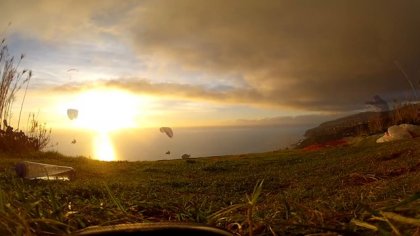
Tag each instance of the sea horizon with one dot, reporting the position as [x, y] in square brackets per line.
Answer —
[149, 144]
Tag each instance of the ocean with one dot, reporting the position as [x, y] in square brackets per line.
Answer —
[149, 144]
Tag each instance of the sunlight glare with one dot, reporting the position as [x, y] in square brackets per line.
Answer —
[104, 149]
[106, 110]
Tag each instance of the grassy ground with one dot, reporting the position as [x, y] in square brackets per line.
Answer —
[344, 190]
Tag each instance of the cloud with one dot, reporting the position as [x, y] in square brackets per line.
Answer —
[183, 91]
[57, 21]
[309, 55]
[316, 55]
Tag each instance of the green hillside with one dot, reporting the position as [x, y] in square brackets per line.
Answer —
[303, 192]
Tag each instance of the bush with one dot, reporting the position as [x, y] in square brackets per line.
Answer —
[11, 81]
[16, 141]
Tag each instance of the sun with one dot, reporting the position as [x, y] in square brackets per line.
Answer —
[103, 111]
[106, 110]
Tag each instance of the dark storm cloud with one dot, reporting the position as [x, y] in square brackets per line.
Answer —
[316, 55]
[58, 21]
[311, 55]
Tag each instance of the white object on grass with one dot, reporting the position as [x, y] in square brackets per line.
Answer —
[399, 132]
[35, 170]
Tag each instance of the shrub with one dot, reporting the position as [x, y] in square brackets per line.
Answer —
[11, 81]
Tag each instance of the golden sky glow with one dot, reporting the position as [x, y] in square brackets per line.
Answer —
[128, 64]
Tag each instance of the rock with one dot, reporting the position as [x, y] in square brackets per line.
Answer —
[399, 132]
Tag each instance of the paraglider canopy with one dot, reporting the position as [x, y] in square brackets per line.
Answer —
[168, 131]
[72, 113]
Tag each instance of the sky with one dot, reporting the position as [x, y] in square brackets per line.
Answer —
[207, 63]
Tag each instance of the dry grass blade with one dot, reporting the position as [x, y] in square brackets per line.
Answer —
[401, 219]
[393, 227]
[49, 222]
[218, 214]
[364, 224]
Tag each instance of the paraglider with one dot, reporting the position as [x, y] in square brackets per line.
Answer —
[168, 131]
[71, 71]
[72, 113]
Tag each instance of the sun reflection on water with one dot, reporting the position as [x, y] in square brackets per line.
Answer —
[104, 149]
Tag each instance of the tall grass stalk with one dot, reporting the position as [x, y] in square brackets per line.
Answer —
[24, 96]
[252, 202]
[38, 132]
[114, 199]
[11, 80]
[407, 78]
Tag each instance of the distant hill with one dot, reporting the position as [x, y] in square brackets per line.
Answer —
[361, 124]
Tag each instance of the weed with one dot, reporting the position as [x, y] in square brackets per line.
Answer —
[383, 220]
[249, 206]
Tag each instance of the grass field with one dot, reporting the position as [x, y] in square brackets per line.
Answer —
[365, 188]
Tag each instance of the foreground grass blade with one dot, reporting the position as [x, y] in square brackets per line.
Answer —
[364, 224]
[114, 200]
[401, 219]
